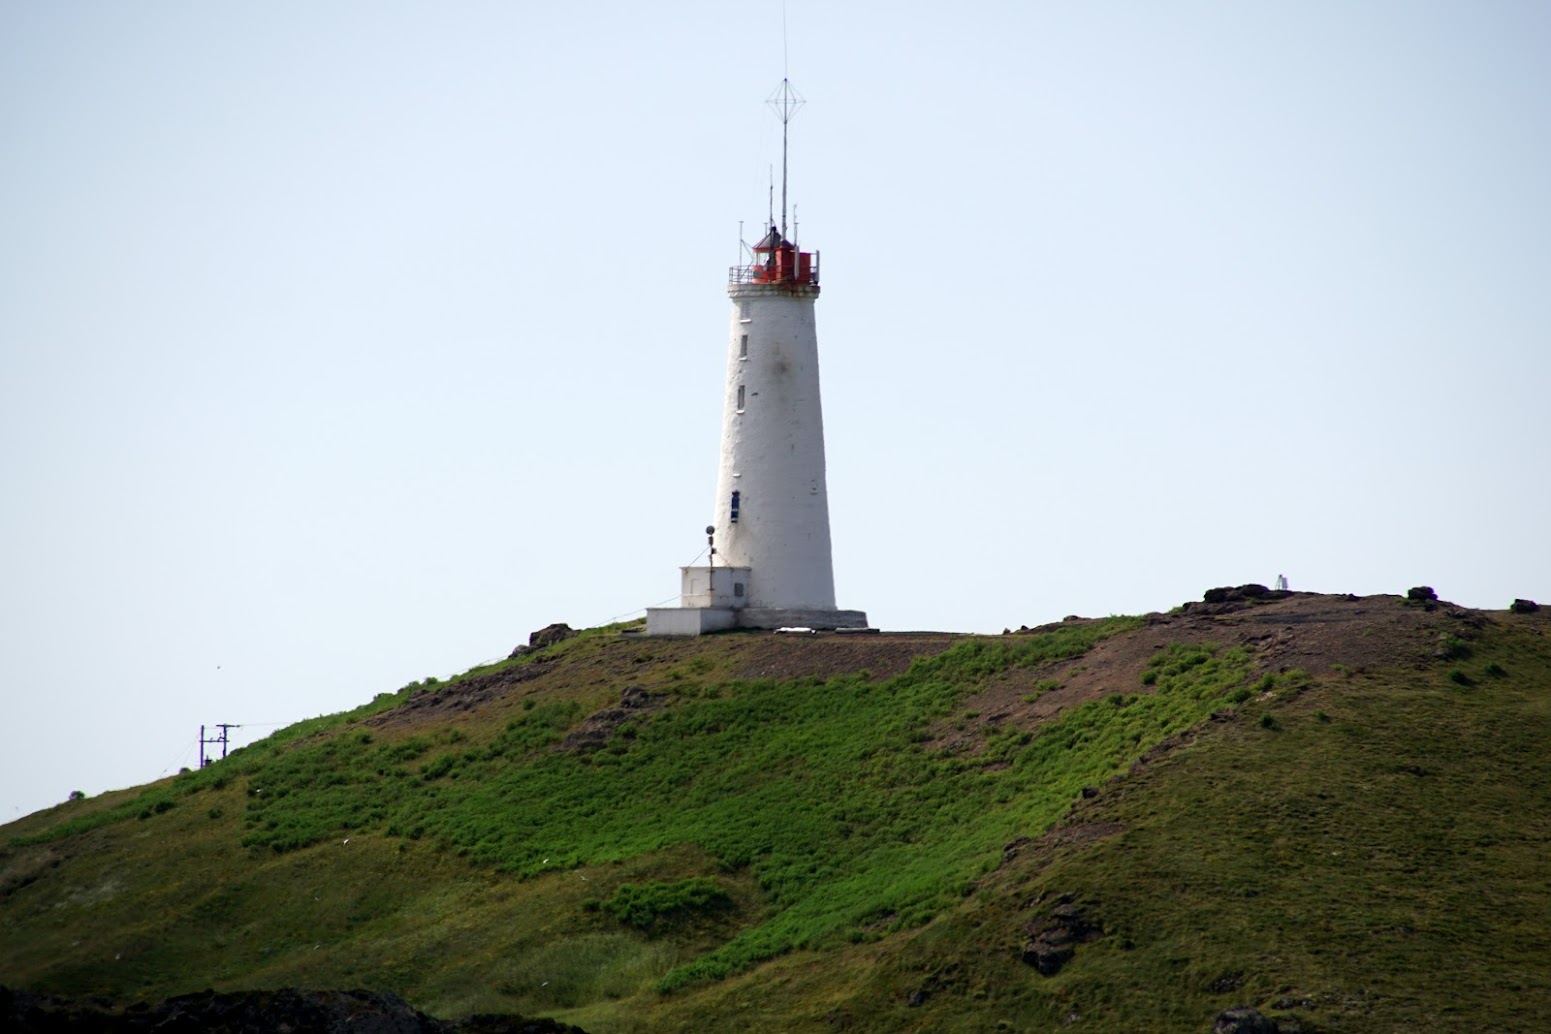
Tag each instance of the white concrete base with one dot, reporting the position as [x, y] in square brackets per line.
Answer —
[700, 620]
[689, 620]
[798, 617]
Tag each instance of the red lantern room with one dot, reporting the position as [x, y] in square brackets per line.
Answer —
[777, 261]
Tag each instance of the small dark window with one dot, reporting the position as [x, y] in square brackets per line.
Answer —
[737, 588]
[735, 502]
[740, 396]
[743, 348]
[743, 311]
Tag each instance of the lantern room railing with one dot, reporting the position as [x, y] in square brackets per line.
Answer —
[779, 268]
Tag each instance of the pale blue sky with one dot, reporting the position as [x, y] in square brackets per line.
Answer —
[346, 343]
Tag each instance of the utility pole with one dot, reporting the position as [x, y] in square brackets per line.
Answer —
[222, 739]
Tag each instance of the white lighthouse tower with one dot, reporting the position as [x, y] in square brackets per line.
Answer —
[770, 564]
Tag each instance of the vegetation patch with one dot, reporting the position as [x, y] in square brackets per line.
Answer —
[644, 905]
[145, 805]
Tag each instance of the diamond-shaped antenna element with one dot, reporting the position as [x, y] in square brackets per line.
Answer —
[785, 101]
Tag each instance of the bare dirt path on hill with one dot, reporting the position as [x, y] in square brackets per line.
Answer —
[1309, 631]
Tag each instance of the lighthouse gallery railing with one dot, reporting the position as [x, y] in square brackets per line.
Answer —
[770, 273]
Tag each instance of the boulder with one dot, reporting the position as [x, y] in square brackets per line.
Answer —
[549, 635]
[1421, 592]
[1524, 606]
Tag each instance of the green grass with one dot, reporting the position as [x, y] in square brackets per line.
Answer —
[748, 770]
[646, 905]
[142, 806]
[823, 792]
[803, 854]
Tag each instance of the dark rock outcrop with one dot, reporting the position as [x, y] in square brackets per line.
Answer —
[459, 695]
[1465, 617]
[1524, 606]
[1053, 938]
[1233, 594]
[598, 728]
[549, 635]
[1244, 1020]
[1227, 598]
[252, 1012]
[1421, 592]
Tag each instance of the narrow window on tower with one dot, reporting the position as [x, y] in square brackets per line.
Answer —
[743, 312]
[734, 517]
[740, 398]
[743, 347]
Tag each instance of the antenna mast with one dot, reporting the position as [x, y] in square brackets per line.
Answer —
[785, 101]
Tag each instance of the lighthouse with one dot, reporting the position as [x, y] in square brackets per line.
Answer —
[769, 562]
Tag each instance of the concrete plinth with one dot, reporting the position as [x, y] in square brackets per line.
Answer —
[797, 617]
[700, 620]
[689, 620]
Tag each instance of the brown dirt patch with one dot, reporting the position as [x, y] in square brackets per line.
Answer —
[462, 695]
[1311, 631]
[1303, 630]
[661, 664]
[589, 674]
[1037, 852]
[826, 655]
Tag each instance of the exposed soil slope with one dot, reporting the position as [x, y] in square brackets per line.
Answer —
[1301, 630]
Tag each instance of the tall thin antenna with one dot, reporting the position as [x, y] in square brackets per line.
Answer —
[785, 83]
[785, 65]
[770, 216]
[785, 101]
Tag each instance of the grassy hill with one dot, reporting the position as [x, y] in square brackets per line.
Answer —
[1335, 809]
